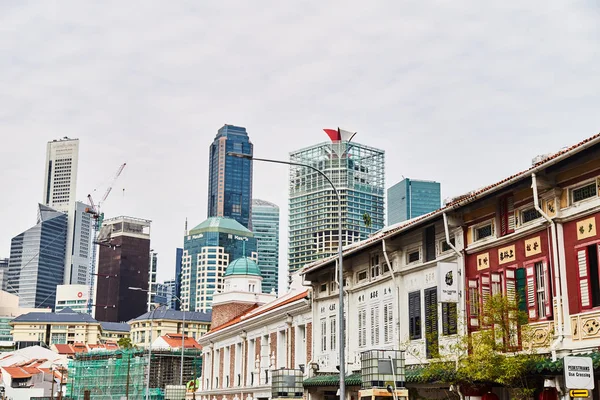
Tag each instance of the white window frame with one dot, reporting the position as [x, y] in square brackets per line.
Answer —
[366, 279]
[540, 294]
[441, 245]
[412, 250]
[520, 223]
[375, 270]
[480, 225]
[579, 186]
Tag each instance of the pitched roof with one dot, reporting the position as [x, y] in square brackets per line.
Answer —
[459, 202]
[221, 224]
[259, 310]
[17, 372]
[64, 349]
[162, 313]
[115, 326]
[174, 341]
[65, 315]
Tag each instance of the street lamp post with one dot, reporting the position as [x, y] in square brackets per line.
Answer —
[341, 333]
[182, 332]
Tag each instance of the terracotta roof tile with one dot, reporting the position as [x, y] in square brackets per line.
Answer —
[16, 372]
[64, 349]
[32, 370]
[255, 311]
[174, 341]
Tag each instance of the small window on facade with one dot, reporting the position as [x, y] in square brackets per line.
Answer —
[414, 256]
[375, 266]
[584, 192]
[362, 275]
[323, 287]
[429, 243]
[483, 231]
[446, 247]
[529, 215]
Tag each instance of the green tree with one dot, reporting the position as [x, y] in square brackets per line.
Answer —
[125, 343]
[498, 353]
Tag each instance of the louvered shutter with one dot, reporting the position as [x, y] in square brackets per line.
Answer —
[584, 279]
[531, 292]
[510, 290]
[473, 303]
[507, 215]
[484, 294]
[547, 287]
[452, 318]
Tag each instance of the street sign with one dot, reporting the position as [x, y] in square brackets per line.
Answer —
[579, 372]
[579, 393]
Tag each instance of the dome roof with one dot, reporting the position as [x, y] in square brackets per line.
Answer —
[243, 266]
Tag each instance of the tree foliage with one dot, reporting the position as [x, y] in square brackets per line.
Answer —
[498, 353]
[125, 343]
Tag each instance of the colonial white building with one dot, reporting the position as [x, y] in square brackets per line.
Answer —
[252, 335]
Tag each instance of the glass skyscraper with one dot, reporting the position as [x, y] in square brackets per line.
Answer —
[230, 178]
[265, 226]
[37, 260]
[357, 172]
[411, 198]
[207, 251]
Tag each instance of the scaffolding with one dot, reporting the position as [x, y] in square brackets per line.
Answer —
[122, 374]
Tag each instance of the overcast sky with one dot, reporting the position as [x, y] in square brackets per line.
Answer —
[462, 92]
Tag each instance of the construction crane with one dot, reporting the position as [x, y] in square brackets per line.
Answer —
[98, 217]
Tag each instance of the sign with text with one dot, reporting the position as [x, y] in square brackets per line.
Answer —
[507, 254]
[533, 246]
[586, 228]
[483, 261]
[448, 285]
[579, 372]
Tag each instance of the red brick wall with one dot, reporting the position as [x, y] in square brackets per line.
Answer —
[232, 377]
[221, 365]
[273, 347]
[309, 342]
[222, 313]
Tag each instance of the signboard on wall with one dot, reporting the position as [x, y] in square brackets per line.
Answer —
[579, 372]
[448, 284]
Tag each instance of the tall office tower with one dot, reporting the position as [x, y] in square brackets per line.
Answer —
[81, 246]
[207, 251]
[170, 287]
[37, 259]
[230, 178]
[152, 279]
[357, 172]
[60, 187]
[123, 260]
[411, 198]
[265, 226]
[177, 292]
[3, 273]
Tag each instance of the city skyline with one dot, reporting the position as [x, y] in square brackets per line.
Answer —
[477, 82]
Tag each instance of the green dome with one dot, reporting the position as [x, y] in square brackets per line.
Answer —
[243, 266]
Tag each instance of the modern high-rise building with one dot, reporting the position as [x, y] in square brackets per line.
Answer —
[177, 292]
[412, 198]
[265, 226]
[207, 251]
[81, 245]
[3, 273]
[60, 187]
[74, 297]
[123, 260]
[358, 173]
[37, 258]
[152, 283]
[171, 291]
[230, 178]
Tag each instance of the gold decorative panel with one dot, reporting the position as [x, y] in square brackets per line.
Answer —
[507, 254]
[483, 261]
[586, 228]
[538, 334]
[533, 246]
[585, 326]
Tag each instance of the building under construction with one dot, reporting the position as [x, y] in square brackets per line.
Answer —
[122, 373]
